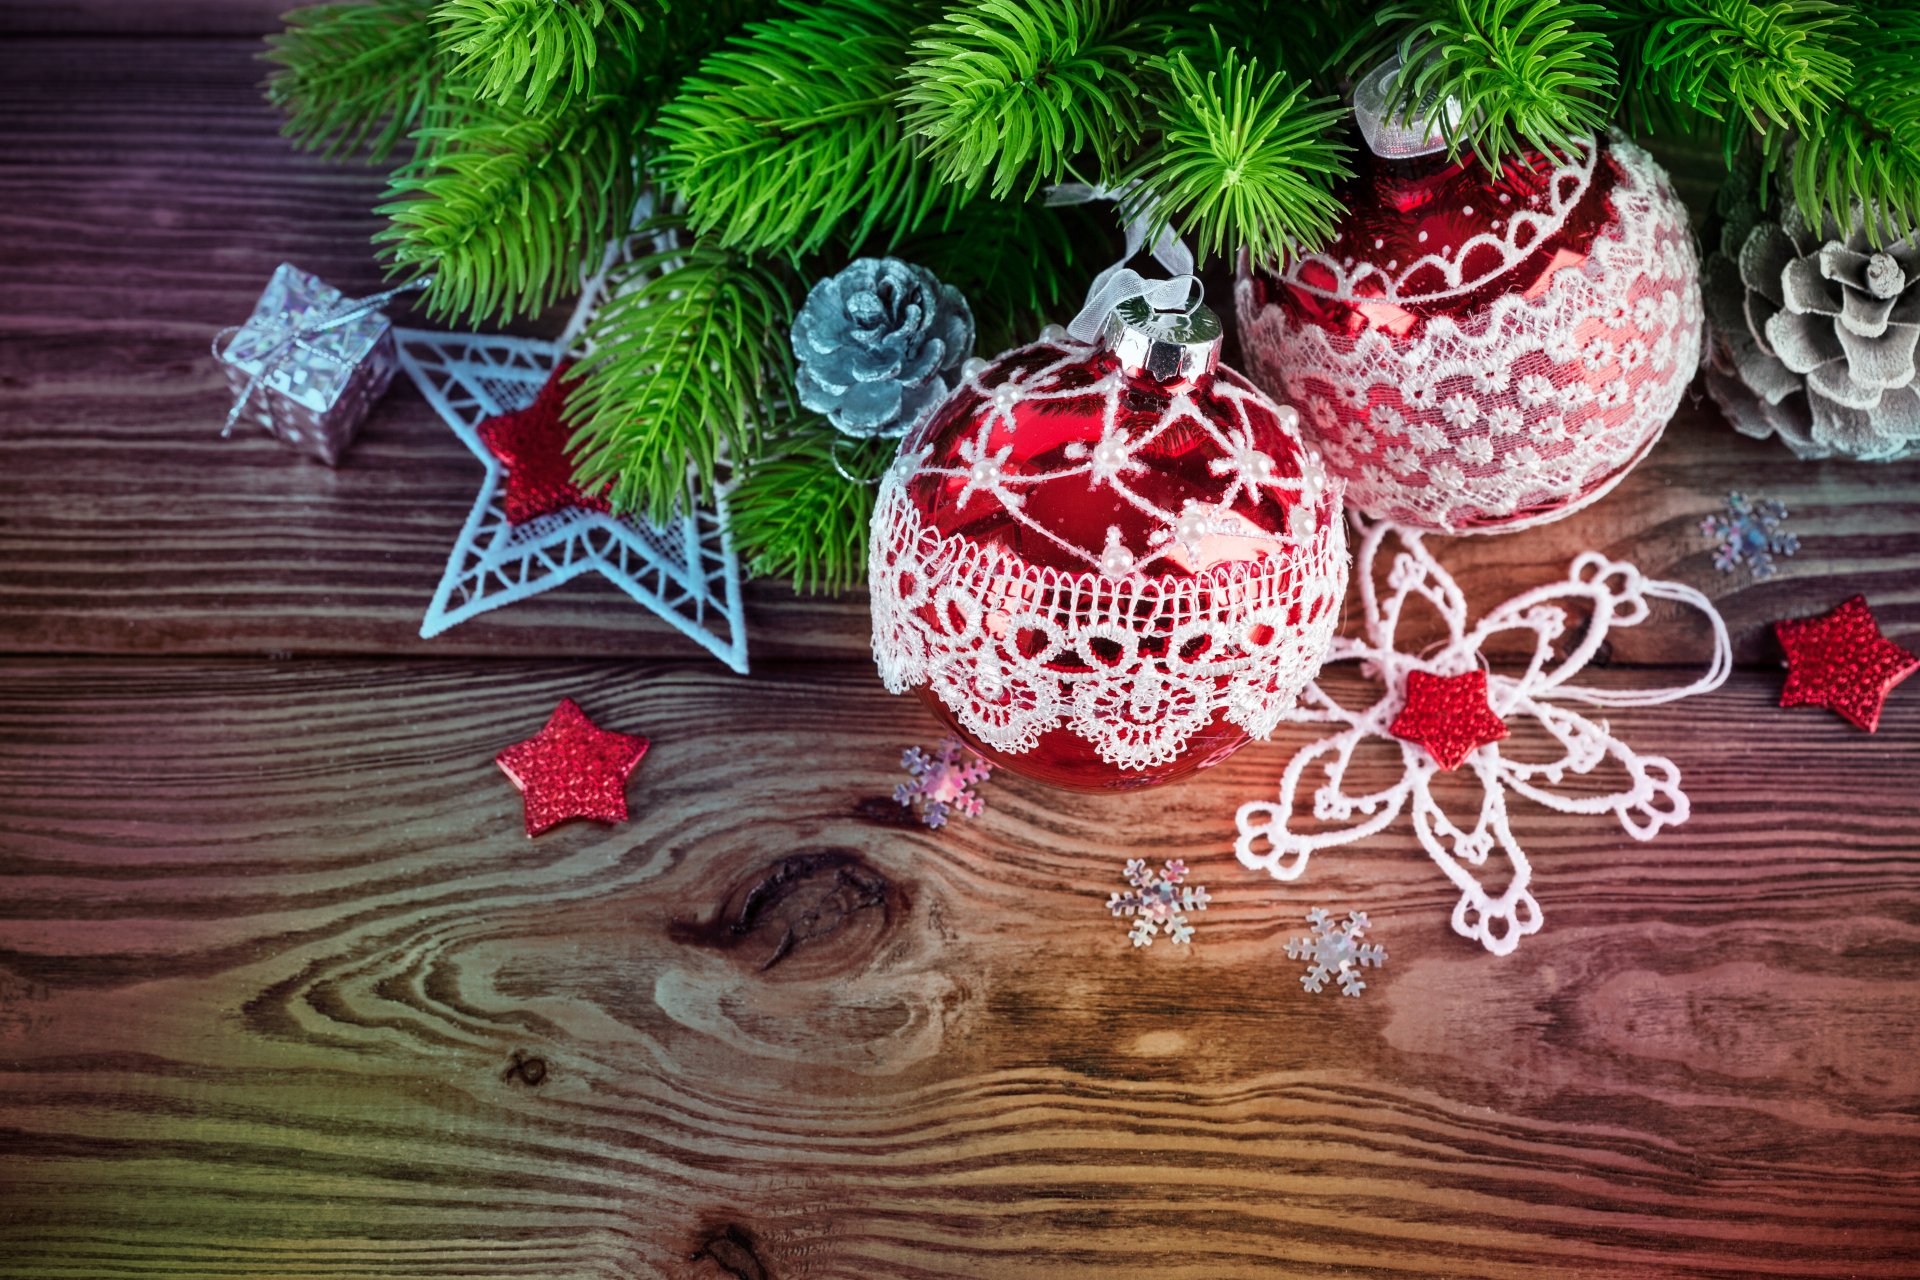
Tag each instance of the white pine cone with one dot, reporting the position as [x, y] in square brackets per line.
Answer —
[1814, 333]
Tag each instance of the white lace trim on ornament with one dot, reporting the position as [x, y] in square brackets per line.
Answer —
[1497, 442]
[1522, 234]
[951, 612]
[1617, 596]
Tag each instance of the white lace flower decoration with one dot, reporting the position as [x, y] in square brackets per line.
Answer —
[1617, 596]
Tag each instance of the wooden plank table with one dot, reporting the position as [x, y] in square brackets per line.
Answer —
[285, 991]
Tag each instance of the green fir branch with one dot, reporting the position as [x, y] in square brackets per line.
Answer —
[1526, 73]
[1759, 65]
[506, 211]
[1860, 163]
[1242, 161]
[686, 363]
[803, 511]
[353, 76]
[1006, 90]
[1302, 38]
[789, 133]
[527, 51]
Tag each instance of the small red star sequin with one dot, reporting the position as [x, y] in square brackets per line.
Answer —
[1840, 661]
[572, 769]
[532, 445]
[1448, 715]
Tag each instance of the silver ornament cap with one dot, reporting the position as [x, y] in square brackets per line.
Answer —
[1392, 135]
[1177, 345]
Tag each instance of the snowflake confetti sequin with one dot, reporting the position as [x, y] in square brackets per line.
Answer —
[1336, 952]
[1750, 534]
[1496, 906]
[1159, 902]
[942, 783]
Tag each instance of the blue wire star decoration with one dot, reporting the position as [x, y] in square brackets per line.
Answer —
[684, 572]
[1750, 534]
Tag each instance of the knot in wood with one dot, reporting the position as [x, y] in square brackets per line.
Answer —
[732, 1250]
[787, 914]
[529, 1071]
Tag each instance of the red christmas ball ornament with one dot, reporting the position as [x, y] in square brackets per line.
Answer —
[1478, 351]
[1106, 565]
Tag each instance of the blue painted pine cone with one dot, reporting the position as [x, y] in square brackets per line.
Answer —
[879, 346]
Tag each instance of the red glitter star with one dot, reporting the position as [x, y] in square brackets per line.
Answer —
[1448, 715]
[1840, 660]
[532, 445]
[572, 769]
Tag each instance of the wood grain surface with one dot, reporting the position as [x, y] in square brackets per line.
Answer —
[285, 991]
[261, 1007]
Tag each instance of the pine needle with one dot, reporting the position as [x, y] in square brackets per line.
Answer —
[1009, 89]
[350, 76]
[788, 134]
[1861, 161]
[506, 211]
[1019, 263]
[1303, 38]
[529, 50]
[1755, 64]
[796, 516]
[688, 359]
[795, 131]
[1243, 161]
[1526, 73]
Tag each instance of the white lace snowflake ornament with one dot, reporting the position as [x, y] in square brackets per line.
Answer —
[1616, 594]
[1158, 902]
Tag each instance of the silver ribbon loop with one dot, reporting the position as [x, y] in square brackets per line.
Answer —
[1168, 249]
[1119, 282]
[290, 337]
[1417, 129]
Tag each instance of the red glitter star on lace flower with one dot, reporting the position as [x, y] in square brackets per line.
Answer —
[572, 769]
[1448, 715]
[1840, 661]
[532, 445]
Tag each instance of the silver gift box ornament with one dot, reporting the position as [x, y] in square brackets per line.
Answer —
[309, 363]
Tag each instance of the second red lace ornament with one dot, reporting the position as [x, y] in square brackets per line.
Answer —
[1477, 351]
[1107, 565]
